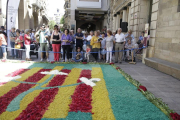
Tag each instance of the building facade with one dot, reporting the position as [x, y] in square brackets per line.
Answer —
[162, 18]
[3, 12]
[31, 14]
[86, 14]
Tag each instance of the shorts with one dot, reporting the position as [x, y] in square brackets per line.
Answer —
[44, 47]
[3, 47]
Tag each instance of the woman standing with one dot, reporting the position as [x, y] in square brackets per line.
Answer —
[66, 44]
[96, 45]
[19, 40]
[3, 44]
[109, 46]
[56, 43]
[27, 40]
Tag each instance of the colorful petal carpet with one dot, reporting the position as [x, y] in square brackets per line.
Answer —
[77, 92]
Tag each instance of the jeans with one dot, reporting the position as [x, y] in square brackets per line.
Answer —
[66, 50]
[77, 60]
[56, 48]
[1, 53]
[20, 53]
[13, 51]
[3, 48]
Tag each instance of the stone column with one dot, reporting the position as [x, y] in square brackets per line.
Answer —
[153, 27]
[124, 19]
[114, 23]
[17, 25]
[72, 20]
[118, 21]
[129, 17]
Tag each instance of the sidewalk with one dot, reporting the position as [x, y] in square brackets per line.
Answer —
[161, 85]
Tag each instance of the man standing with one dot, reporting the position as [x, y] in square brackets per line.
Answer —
[12, 36]
[119, 45]
[44, 43]
[79, 38]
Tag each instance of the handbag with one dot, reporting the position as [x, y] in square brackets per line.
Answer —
[18, 46]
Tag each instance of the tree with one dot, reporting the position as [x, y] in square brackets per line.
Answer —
[62, 20]
[51, 24]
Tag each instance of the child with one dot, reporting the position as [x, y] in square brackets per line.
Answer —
[78, 57]
[88, 50]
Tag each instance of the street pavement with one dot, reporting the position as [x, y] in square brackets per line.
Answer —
[160, 84]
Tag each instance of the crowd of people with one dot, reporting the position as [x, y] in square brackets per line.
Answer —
[77, 47]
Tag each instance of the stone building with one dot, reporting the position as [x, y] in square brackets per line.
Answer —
[3, 12]
[86, 14]
[163, 19]
[31, 14]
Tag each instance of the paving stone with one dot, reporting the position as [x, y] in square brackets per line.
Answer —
[178, 111]
[177, 100]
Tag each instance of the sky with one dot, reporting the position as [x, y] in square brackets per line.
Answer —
[54, 5]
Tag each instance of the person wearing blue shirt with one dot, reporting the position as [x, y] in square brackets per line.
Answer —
[141, 37]
[79, 38]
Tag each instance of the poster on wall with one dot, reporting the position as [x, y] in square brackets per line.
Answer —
[72, 27]
[12, 9]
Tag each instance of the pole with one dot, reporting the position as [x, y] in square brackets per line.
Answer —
[6, 16]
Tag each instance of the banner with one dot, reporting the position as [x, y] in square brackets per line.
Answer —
[12, 9]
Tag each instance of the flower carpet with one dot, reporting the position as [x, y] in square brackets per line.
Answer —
[46, 91]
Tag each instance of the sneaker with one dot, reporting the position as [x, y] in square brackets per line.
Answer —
[47, 60]
[41, 60]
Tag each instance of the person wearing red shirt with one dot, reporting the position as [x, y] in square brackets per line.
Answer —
[27, 40]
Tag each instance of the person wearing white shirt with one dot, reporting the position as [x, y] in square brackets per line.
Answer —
[119, 45]
[89, 38]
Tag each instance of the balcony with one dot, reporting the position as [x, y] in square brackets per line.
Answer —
[89, 3]
[36, 3]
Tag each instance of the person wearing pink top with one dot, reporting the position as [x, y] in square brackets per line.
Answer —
[19, 40]
[27, 40]
[3, 44]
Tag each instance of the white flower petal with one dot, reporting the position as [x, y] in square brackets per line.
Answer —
[87, 82]
[54, 72]
[95, 79]
[7, 79]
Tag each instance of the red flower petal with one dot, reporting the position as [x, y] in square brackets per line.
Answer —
[111, 63]
[37, 108]
[81, 99]
[117, 68]
[142, 88]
